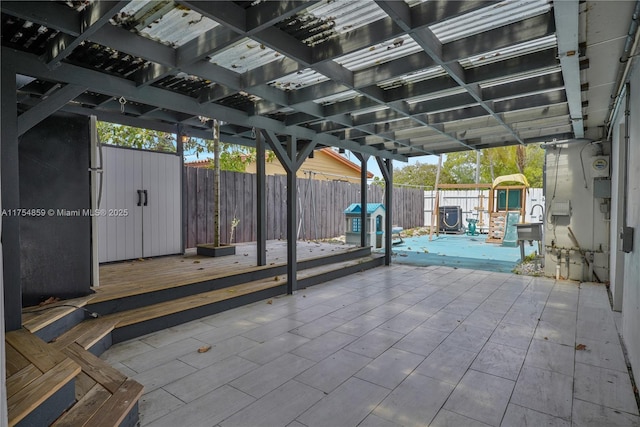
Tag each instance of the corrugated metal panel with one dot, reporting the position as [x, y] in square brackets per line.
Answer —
[436, 95]
[188, 85]
[379, 53]
[494, 16]
[370, 110]
[240, 100]
[298, 80]
[522, 76]
[347, 15]
[163, 21]
[414, 77]
[510, 52]
[25, 35]
[245, 55]
[78, 5]
[105, 59]
[338, 97]
[329, 19]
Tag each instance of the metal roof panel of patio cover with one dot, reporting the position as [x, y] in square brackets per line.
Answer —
[389, 78]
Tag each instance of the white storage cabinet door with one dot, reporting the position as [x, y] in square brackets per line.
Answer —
[120, 236]
[161, 215]
[145, 185]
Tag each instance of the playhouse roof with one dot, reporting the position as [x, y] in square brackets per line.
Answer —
[355, 208]
[516, 177]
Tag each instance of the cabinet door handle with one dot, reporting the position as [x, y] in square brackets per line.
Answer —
[146, 197]
[139, 197]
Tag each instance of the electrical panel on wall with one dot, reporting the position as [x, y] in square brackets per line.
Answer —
[600, 167]
[560, 208]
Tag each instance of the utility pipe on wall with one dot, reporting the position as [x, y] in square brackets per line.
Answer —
[630, 46]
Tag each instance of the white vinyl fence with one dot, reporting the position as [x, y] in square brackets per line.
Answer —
[473, 207]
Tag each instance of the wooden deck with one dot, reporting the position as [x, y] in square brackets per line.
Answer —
[142, 276]
[60, 342]
[174, 270]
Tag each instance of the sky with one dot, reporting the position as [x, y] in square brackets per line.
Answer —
[372, 165]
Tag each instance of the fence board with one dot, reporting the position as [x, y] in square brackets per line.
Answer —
[322, 216]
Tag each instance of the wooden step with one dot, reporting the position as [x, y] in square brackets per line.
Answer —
[25, 401]
[105, 396]
[34, 349]
[86, 334]
[153, 281]
[150, 282]
[36, 318]
[45, 375]
[171, 307]
[137, 322]
[43, 380]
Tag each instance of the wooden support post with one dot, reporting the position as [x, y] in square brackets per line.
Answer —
[436, 203]
[291, 160]
[216, 183]
[386, 167]
[292, 211]
[364, 158]
[181, 138]
[261, 204]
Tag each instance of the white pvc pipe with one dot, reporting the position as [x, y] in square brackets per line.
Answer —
[95, 266]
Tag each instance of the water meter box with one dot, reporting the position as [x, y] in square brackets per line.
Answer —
[450, 219]
[600, 167]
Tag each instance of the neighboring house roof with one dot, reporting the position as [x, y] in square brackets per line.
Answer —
[344, 160]
[204, 163]
[354, 208]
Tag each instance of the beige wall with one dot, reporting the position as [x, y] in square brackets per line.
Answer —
[332, 169]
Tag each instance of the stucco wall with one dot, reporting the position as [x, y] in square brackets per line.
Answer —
[565, 182]
[616, 272]
[631, 290]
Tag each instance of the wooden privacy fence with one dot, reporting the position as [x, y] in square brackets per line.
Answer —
[321, 206]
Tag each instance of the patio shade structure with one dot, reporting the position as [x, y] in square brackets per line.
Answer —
[389, 79]
[392, 79]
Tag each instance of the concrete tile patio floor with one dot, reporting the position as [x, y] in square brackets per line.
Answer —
[393, 346]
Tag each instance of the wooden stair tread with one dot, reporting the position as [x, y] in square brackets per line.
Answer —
[84, 383]
[85, 408]
[96, 368]
[46, 315]
[118, 406]
[22, 378]
[14, 361]
[104, 395]
[86, 333]
[165, 308]
[36, 392]
[34, 349]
